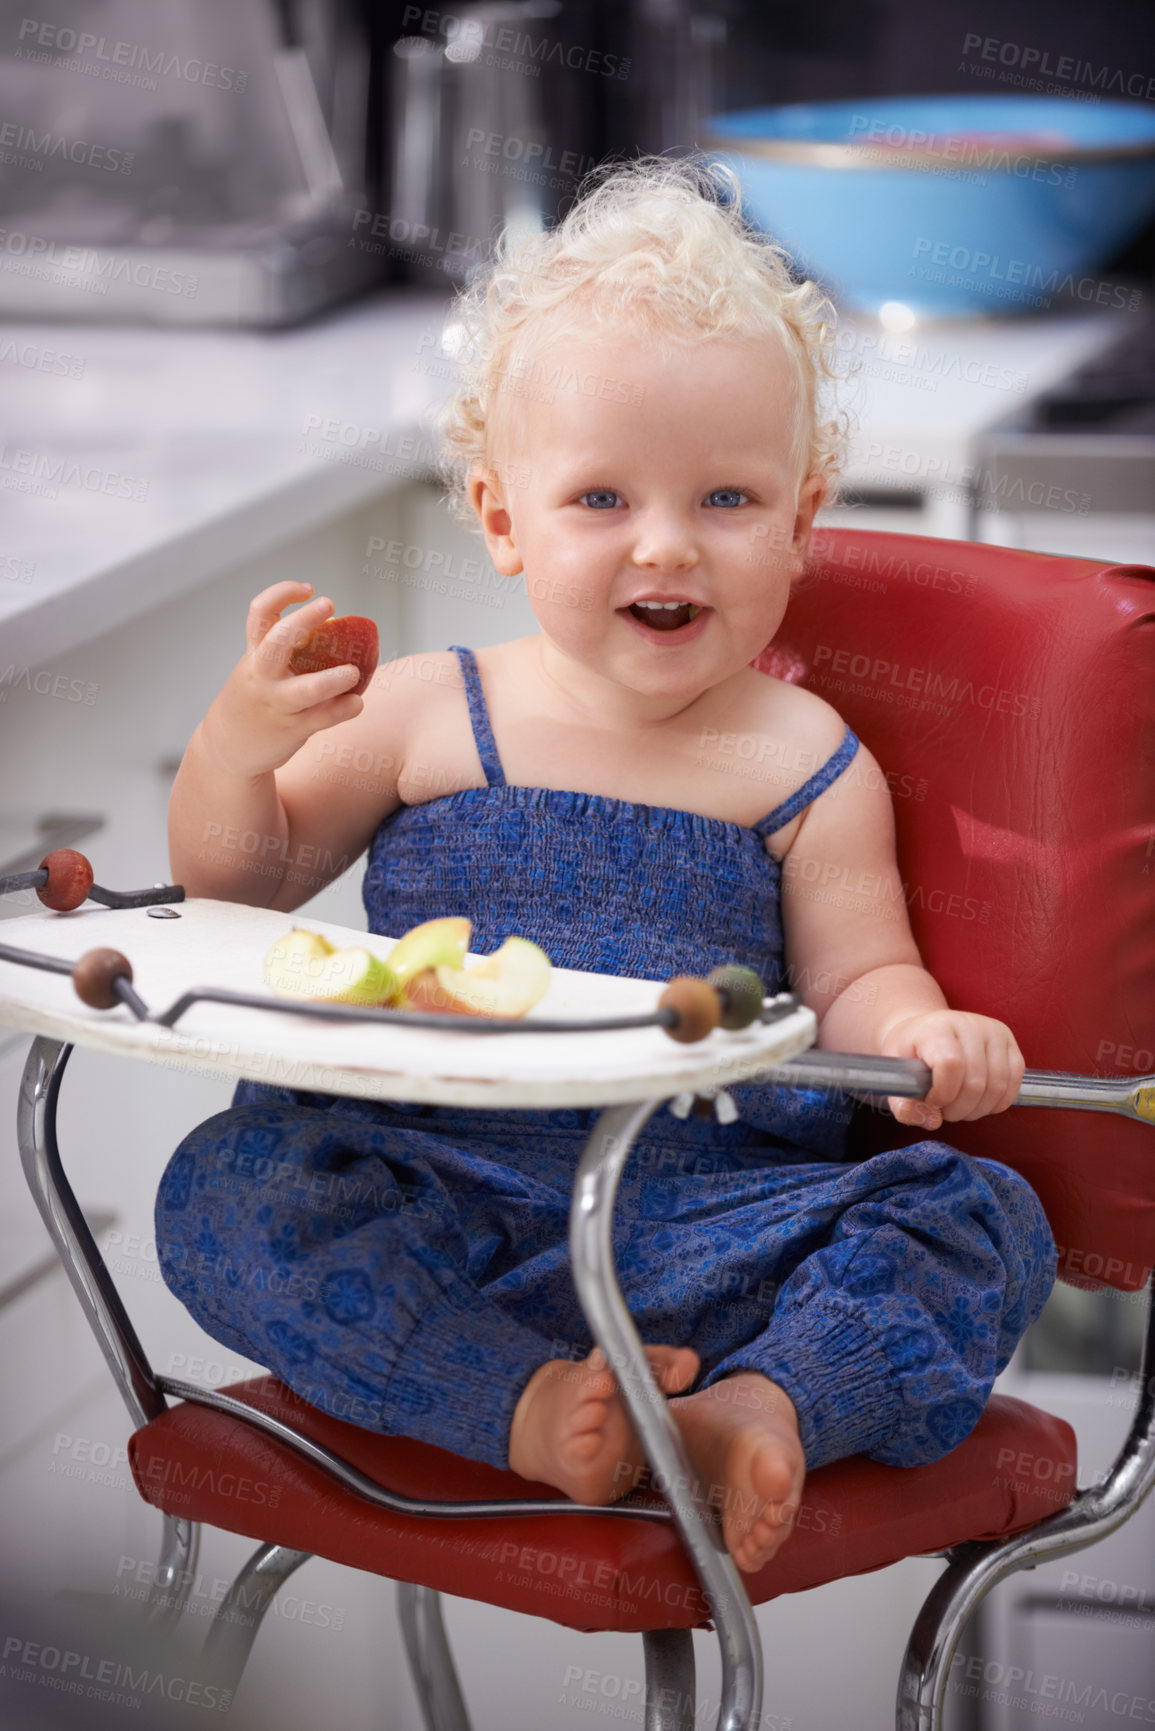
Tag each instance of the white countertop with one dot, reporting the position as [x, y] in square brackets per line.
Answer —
[927, 392]
[136, 463]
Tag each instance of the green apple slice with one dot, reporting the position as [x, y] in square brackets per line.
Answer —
[353, 976]
[306, 965]
[295, 961]
[433, 944]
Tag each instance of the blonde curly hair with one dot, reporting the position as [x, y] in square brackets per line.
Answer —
[660, 242]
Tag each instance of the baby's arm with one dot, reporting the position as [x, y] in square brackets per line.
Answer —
[260, 812]
[854, 961]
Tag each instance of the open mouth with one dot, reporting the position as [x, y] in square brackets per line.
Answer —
[665, 621]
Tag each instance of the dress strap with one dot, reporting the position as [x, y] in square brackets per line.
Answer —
[479, 716]
[818, 783]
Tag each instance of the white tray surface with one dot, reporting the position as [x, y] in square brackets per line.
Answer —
[216, 943]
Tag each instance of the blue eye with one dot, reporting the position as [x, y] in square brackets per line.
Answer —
[604, 497]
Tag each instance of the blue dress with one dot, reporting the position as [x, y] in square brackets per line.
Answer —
[405, 1266]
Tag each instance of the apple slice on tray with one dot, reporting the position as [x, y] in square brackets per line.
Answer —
[432, 944]
[306, 965]
[423, 971]
[507, 983]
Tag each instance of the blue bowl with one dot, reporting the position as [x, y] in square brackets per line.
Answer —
[951, 205]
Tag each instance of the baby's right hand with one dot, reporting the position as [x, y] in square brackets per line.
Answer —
[265, 712]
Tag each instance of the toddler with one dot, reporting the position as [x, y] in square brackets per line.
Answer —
[643, 431]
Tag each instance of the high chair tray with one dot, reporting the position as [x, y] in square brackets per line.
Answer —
[223, 944]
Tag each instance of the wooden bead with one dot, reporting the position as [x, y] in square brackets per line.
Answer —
[742, 993]
[69, 879]
[94, 974]
[697, 1005]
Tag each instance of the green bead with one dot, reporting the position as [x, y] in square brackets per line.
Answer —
[742, 993]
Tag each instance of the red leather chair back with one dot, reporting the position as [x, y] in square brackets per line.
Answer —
[1009, 697]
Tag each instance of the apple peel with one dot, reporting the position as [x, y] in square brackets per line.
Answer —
[349, 640]
[508, 983]
[432, 944]
[426, 975]
[303, 964]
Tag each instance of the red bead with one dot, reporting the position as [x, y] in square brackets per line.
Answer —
[69, 880]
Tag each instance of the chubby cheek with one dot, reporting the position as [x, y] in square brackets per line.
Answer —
[566, 604]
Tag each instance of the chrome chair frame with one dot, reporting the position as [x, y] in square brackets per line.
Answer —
[973, 1568]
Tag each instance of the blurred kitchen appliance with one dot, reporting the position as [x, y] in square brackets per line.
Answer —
[181, 164]
[495, 116]
[1091, 436]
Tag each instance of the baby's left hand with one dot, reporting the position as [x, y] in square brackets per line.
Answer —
[976, 1062]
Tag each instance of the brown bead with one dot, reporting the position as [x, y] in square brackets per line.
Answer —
[698, 1007]
[69, 879]
[94, 974]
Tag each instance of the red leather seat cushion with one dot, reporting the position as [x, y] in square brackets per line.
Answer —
[588, 1572]
[1009, 698]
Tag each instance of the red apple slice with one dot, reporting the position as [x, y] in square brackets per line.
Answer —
[349, 640]
[432, 944]
[508, 983]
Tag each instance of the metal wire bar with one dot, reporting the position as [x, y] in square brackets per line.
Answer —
[435, 1680]
[237, 1619]
[97, 892]
[773, 1009]
[592, 1262]
[355, 1480]
[975, 1568]
[71, 1234]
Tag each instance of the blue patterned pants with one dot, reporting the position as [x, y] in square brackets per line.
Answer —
[406, 1268]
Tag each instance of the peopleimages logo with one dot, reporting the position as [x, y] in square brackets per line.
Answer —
[120, 62]
[87, 268]
[1039, 64]
[976, 265]
[946, 688]
[40, 146]
[986, 154]
[102, 1679]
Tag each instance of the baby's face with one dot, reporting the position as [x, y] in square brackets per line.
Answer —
[645, 476]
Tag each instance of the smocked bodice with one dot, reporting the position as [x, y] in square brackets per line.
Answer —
[606, 885]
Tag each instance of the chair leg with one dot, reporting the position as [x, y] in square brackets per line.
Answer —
[431, 1666]
[948, 1608]
[670, 1686]
[239, 1614]
[179, 1547]
[592, 1264]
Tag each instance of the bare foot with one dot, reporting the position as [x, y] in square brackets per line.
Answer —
[571, 1428]
[742, 1434]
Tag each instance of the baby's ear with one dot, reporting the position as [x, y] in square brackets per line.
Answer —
[804, 576]
[810, 496]
[487, 496]
[808, 560]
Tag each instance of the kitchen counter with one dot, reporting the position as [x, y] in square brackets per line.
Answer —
[924, 395]
[137, 463]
